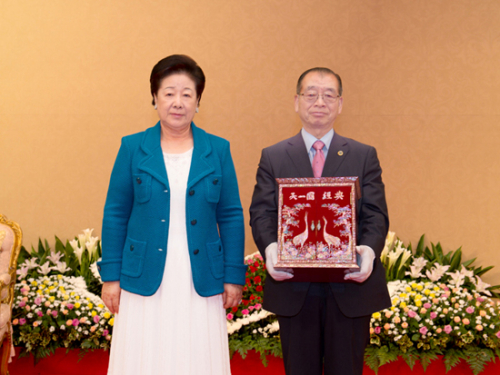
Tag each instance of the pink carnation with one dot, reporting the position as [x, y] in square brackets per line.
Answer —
[76, 322]
[54, 313]
[427, 305]
[434, 315]
[469, 310]
[22, 303]
[105, 332]
[257, 306]
[497, 334]
[22, 321]
[423, 330]
[377, 330]
[229, 316]
[38, 301]
[39, 313]
[96, 318]
[412, 314]
[70, 306]
[251, 308]
[245, 312]
[448, 329]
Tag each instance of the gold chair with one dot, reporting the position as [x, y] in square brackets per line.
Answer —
[10, 246]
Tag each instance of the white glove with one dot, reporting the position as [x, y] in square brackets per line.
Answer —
[365, 268]
[271, 260]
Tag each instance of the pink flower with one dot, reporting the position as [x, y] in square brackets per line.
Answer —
[497, 334]
[434, 315]
[105, 332]
[448, 329]
[22, 321]
[70, 306]
[245, 312]
[257, 306]
[96, 318]
[22, 303]
[469, 310]
[423, 330]
[38, 301]
[251, 308]
[427, 305]
[39, 313]
[412, 314]
[76, 322]
[228, 316]
[377, 330]
[54, 313]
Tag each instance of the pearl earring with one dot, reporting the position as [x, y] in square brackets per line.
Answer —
[156, 106]
[197, 110]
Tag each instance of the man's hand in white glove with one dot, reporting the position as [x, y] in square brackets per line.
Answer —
[367, 256]
[271, 260]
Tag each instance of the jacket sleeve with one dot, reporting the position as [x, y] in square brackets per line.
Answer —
[374, 219]
[117, 211]
[231, 223]
[263, 209]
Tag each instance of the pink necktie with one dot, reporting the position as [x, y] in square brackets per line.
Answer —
[319, 159]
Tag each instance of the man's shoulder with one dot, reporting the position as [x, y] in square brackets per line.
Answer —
[352, 143]
[282, 145]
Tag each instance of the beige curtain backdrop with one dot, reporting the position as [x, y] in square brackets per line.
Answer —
[421, 81]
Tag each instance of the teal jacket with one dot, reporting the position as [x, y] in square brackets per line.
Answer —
[137, 213]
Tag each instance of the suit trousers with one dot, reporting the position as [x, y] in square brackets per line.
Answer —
[321, 335]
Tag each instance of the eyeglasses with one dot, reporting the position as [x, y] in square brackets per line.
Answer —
[311, 97]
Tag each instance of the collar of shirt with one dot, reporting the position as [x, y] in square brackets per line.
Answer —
[309, 139]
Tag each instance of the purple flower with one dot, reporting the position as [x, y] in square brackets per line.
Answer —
[423, 330]
[448, 329]
[469, 310]
[22, 321]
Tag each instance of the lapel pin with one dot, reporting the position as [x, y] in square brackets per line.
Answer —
[340, 153]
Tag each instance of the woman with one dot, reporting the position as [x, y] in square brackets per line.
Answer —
[172, 237]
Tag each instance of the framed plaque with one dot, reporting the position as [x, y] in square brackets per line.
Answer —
[317, 227]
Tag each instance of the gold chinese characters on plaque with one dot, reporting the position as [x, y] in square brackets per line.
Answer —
[317, 227]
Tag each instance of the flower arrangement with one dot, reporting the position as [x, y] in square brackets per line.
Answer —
[249, 326]
[56, 302]
[440, 306]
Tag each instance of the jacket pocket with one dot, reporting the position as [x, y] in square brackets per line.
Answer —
[142, 187]
[216, 259]
[213, 185]
[133, 257]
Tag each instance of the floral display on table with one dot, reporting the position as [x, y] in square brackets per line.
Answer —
[57, 301]
[440, 306]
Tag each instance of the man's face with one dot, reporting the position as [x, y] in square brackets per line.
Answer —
[318, 115]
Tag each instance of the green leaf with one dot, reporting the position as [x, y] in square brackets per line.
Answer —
[419, 251]
[456, 259]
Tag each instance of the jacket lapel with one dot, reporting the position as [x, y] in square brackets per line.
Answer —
[200, 167]
[153, 163]
[296, 150]
[337, 152]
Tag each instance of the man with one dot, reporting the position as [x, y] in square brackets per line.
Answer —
[322, 324]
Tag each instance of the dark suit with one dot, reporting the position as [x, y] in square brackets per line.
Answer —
[345, 157]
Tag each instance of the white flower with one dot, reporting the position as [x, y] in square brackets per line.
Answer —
[436, 272]
[61, 267]
[481, 287]
[54, 257]
[414, 272]
[457, 278]
[22, 271]
[419, 262]
[31, 263]
[78, 250]
[45, 268]
[95, 271]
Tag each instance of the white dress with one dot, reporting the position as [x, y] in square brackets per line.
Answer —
[174, 331]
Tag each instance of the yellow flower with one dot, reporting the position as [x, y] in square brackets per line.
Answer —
[46, 281]
[94, 313]
[432, 295]
[393, 308]
[111, 322]
[100, 305]
[402, 304]
[418, 296]
[107, 315]
[72, 294]
[436, 289]
[427, 292]
[39, 291]
[418, 303]
[52, 298]
[90, 305]
[403, 295]
[59, 277]
[420, 287]
[77, 298]
[66, 297]
[414, 285]
[34, 283]
[408, 288]
[77, 305]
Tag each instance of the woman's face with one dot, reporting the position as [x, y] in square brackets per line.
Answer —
[176, 101]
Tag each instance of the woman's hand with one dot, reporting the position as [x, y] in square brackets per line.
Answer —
[111, 295]
[232, 295]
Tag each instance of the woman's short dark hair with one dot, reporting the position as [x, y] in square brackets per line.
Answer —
[175, 64]
[321, 71]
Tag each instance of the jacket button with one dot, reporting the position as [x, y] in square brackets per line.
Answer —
[165, 191]
[193, 222]
[160, 249]
[196, 251]
[191, 192]
[220, 249]
[215, 181]
[131, 247]
[162, 220]
[139, 181]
